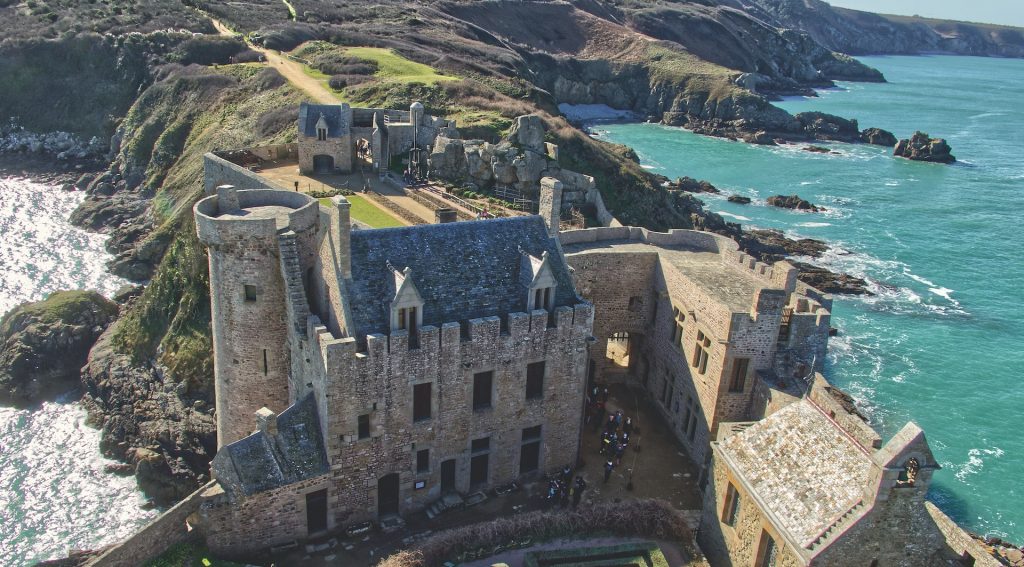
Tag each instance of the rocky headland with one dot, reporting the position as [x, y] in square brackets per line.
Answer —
[921, 147]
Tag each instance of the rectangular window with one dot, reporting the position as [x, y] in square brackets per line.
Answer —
[664, 390]
[266, 363]
[732, 506]
[250, 292]
[421, 401]
[739, 374]
[671, 394]
[700, 352]
[529, 452]
[678, 317]
[769, 553]
[407, 319]
[423, 461]
[364, 426]
[535, 380]
[479, 445]
[693, 425]
[482, 386]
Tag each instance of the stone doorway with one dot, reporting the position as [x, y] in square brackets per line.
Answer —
[619, 349]
[323, 164]
[387, 496]
[316, 512]
[448, 476]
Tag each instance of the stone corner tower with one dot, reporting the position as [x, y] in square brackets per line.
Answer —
[242, 230]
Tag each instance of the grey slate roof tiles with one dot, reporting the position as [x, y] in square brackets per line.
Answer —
[463, 270]
[309, 114]
[261, 462]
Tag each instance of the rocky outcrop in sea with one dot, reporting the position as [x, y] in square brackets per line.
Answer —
[921, 147]
[793, 202]
[44, 344]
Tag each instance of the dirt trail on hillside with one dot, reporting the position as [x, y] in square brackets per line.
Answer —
[291, 70]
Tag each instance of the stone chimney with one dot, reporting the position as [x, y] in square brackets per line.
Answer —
[227, 198]
[341, 232]
[551, 203]
[266, 421]
[444, 215]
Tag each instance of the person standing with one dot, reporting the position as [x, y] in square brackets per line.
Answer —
[577, 491]
[608, 468]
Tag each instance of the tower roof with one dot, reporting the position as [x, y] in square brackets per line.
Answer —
[310, 116]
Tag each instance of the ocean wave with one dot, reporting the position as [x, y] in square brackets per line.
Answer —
[814, 224]
[737, 217]
[976, 458]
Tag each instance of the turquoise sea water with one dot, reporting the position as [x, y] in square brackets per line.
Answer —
[942, 342]
[54, 492]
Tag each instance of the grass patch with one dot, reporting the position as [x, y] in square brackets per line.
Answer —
[189, 555]
[67, 306]
[394, 67]
[366, 212]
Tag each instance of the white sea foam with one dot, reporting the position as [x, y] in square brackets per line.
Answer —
[976, 461]
[814, 224]
[585, 112]
[730, 215]
[943, 292]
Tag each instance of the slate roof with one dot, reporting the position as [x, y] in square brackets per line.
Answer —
[802, 466]
[261, 462]
[463, 270]
[309, 114]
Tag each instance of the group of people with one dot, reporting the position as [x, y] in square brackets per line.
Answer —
[615, 430]
[562, 489]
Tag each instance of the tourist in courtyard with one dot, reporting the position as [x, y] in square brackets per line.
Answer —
[577, 490]
[608, 468]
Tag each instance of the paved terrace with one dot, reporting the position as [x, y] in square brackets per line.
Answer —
[732, 287]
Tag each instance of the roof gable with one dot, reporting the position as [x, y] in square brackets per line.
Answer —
[333, 115]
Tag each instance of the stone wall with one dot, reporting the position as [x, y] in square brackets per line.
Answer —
[156, 537]
[340, 149]
[277, 152]
[261, 520]
[380, 381]
[218, 171]
[959, 541]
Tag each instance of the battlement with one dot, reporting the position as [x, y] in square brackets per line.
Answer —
[232, 214]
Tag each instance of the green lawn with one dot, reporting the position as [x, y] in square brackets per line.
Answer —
[365, 211]
[394, 67]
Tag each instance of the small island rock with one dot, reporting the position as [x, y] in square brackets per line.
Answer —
[921, 147]
[691, 185]
[878, 137]
[793, 202]
[45, 344]
[739, 199]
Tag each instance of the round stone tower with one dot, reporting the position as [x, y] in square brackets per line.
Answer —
[243, 231]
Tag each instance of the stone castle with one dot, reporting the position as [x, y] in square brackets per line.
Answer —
[366, 374]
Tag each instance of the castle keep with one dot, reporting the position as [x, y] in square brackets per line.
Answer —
[369, 374]
[381, 369]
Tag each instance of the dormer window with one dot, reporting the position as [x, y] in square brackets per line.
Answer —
[321, 128]
[406, 305]
[539, 281]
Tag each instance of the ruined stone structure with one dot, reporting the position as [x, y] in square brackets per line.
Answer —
[812, 484]
[380, 369]
[708, 332]
[335, 138]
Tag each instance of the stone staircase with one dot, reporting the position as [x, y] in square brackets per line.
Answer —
[837, 526]
[291, 272]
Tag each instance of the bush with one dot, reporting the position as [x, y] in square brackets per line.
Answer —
[208, 50]
[269, 79]
[248, 56]
[338, 82]
[647, 518]
[276, 120]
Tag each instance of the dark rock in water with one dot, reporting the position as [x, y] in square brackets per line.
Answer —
[822, 126]
[831, 282]
[164, 430]
[740, 199]
[771, 245]
[816, 149]
[878, 137]
[793, 202]
[920, 147]
[120, 469]
[760, 137]
[833, 332]
[44, 344]
[691, 185]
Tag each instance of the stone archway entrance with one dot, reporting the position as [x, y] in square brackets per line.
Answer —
[323, 164]
[387, 496]
[619, 350]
